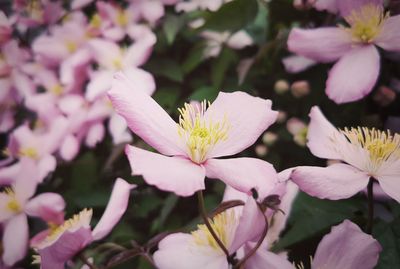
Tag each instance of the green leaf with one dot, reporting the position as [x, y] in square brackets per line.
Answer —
[204, 93]
[389, 238]
[221, 66]
[167, 97]
[166, 68]
[232, 16]
[169, 205]
[84, 173]
[194, 57]
[171, 27]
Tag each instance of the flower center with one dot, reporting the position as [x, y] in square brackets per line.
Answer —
[28, 152]
[74, 223]
[71, 46]
[122, 18]
[56, 89]
[13, 204]
[382, 146]
[223, 224]
[200, 134]
[366, 22]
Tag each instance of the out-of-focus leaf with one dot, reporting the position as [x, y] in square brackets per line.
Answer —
[167, 97]
[258, 29]
[232, 16]
[84, 172]
[93, 199]
[194, 57]
[147, 204]
[204, 93]
[171, 27]
[221, 66]
[166, 68]
[389, 238]
[169, 204]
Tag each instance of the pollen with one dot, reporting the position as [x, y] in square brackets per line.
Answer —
[57, 89]
[223, 224]
[71, 46]
[122, 19]
[382, 147]
[366, 23]
[12, 204]
[82, 219]
[29, 152]
[201, 134]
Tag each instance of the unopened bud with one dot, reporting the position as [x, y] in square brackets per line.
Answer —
[269, 138]
[282, 116]
[261, 150]
[281, 86]
[300, 88]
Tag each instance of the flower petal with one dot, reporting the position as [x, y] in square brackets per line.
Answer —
[180, 251]
[265, 259]
[389, 181]
[296, 63]
[346, 7]
[389, 36]
[116, 207]
[175, 174]
[354, 75]
[144, 116]
[347, 247]
[325, 44]
[244, 174]
[15, 239]
[338, 181]
[47, 206]
[323, 138]
[248, 117]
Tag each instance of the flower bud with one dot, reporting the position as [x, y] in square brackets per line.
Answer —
[281, 86]
[269, 138]
[300, 88]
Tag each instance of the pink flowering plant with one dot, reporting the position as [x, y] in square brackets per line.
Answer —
[222, 134]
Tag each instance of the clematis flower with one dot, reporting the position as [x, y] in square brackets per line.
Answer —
[16, 203]
[365, 153]
[345, 247]
[189, 148]
[352, 46]
[200, 250]
[65, 241]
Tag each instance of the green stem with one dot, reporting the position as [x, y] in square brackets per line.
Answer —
[370, 193]
[207, 223]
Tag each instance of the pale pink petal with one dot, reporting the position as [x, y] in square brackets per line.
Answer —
[338, 181]
[389, 36]
[52, 139]
[138, 53]
[328, 5]
[239, 40]
[263, 259]
[5, 212]
[100, 82]
[69, 104]
[38, 238]
[73, 70]
[144, 116]
[347, 247]
[389, 182]
[144, 81]
[116, 207]
[244, 174]
[247, 117]
[52, 50]
[69, 147]
[46, 165]
[152, 11]
[321, 136]
[105, 52]
[15, 239]
[251, 225]
[179, 251]
[296, 63]
[47, 206]
[175, 174]
[114, 33]
[9, 173]
[362, 66]
[26, 182]
[95, 135]
[346, 7]
[325, 44]
[67, 246]
[119, 129]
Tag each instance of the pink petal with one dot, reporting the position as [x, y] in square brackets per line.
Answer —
[95, 135]
[69, 147]
[152, 11]
[105, 52]
[66, 247]
[138, 53]
[15, 239]
[243, 174]
[322, 136]
[346, 7]
[354, 75]
[25, 184]
[179, 251]
[325, 44]
[175, 174]
[347, 247]
[119, 129]
[247, 116]
[116, 207]
[389, 36]
[47, 206]
[328, 5]
[46, 165]
[251, 225]
[144, 81]
[144, 116]
[265, 259]
[338, 181]
[296, 63]
[9, 173]
[239, 40]
[100, 82]
[73, 69]
[389, 182]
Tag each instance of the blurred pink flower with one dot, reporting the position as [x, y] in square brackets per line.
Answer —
[297, 63]
[365, 152]
[216, 40]
[16, 203]
[5, 28]
[352, 47]
[65, 241]
[188, 149]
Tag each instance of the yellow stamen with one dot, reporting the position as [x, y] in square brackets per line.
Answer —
[56, 89]
[366, 22]
[117, 63]
[28, 152]
[95, 21]
[222, 224]
[381, 146]
[71, 46]
[122, 18]
[36, 259]
[200, 134]
[13, 204]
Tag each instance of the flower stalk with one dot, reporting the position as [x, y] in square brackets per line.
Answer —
[370, 194]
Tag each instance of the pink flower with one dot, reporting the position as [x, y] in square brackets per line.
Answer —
[200, 250]
[74, 234]
[188, 149]
[15, 205]
[353, 47]
[365, 152]
[345, 247]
